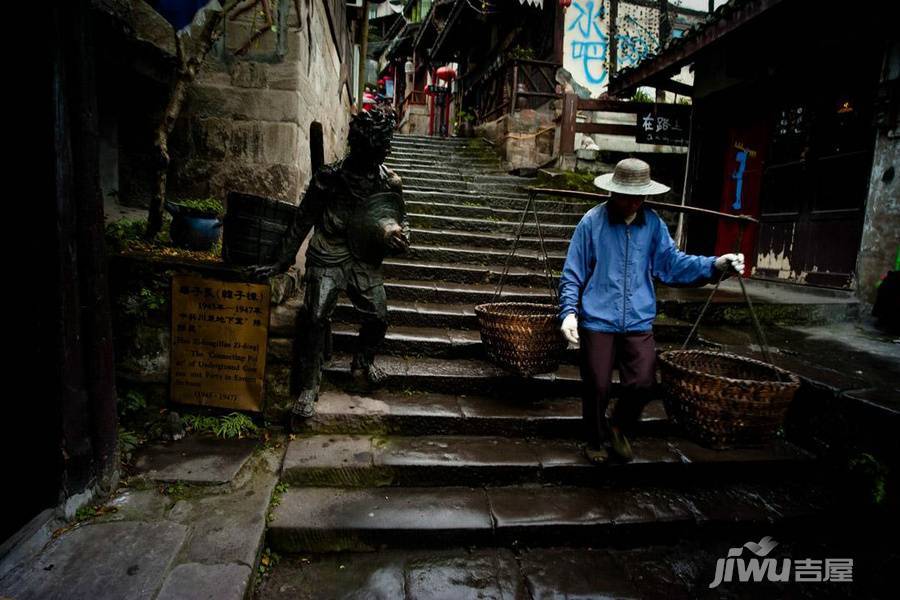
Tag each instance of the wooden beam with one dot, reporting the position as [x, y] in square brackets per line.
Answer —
[651, 203]
[606, 128]
[610, 105]
[670, 85]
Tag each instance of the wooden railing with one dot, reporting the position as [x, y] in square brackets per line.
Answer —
[516, 84]
[569, 125]
[572, 105]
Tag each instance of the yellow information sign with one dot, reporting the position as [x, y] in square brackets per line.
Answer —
[219, 335]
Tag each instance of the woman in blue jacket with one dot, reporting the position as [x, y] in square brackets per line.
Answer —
[608, 304]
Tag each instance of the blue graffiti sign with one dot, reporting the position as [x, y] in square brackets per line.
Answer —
[741, 158]
[590, 49]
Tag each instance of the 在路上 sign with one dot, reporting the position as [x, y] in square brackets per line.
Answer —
[219, 339]
[664, 124]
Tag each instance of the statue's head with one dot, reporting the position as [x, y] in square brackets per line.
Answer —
[370, 134]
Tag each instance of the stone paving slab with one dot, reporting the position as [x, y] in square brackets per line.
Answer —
[104, 560]
[195, 459]
[188, 540]
[319, 519]
[195, 581]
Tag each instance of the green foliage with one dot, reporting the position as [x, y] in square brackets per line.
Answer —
[230, 426]
[143, 302]
[175, 491]
[268, 561]
[642, 96]
[277, 493]
[872, 474]
[206, 206]
[522, 53]
[128, 234]
[131, 404]
[686, 101]
[85, 512]
[128, 443]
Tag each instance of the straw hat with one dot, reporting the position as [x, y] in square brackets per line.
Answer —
[631, 176]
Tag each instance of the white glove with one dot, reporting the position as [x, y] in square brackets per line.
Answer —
[729, 262]
[569, 328]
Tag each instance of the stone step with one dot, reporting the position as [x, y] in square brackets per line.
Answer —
[311, 519]
[445, 184]
[439, 171]
[479, 239]
[474, 165]
[470, 274]
[444, 155]
[433, 221]
[527, 259]
[462, 317]
[409, 412]
[491, 213]
[424, 290]
[408, 146]
[461, 376]
[438, 140]
[328, 460]
[506, 201]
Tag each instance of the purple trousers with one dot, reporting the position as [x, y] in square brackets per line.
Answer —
[635, 356]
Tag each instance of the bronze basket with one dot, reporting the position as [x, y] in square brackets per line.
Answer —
[724, 400]
[521, 337]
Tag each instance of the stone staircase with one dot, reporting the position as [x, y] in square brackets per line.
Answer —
[455, 453]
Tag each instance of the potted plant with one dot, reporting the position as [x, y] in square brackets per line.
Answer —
[196, 222]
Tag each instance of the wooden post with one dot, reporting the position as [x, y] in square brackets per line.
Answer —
[613, 58]
[559, 32]
[567, 125]
[515, 87]
[363, 49]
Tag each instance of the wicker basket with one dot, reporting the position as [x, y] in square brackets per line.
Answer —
[521, 337]
[723, 400]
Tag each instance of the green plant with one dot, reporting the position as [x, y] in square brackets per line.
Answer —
[871, 473]
[128, 443]
[268, 561]
[127, 234]
[208, 206]
[131, 404]
[522, 53]
[230, 426]
[85, 512]
[686, 101]
[642, 96]
[277, 493]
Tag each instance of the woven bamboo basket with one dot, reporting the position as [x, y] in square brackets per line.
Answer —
[521, 337]
[724, 400]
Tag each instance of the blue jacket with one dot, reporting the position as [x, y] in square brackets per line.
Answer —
[608, 276]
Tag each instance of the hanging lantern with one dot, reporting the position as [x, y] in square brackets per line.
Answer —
[565, 3]
[446, 73]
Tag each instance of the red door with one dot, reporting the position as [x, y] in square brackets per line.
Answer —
[744, 159]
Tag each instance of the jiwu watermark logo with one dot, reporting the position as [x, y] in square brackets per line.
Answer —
[756, 566]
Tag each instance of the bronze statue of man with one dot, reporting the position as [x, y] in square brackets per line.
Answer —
[356, 207]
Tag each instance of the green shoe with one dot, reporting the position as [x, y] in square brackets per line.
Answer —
[620, 445]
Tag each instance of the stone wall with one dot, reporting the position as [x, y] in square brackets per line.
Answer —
[525, 139]
[246, 123]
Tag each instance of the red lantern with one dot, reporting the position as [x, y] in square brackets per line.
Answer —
[446, 73]
[565, 3]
